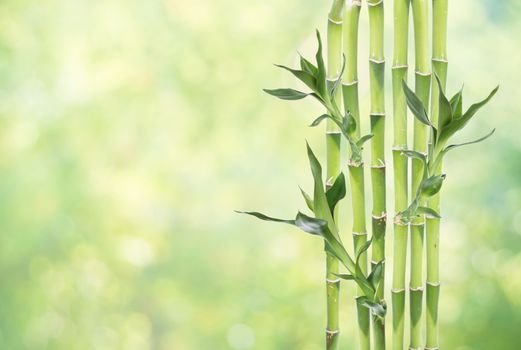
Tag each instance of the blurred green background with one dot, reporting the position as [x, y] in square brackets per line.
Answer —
[131, 129]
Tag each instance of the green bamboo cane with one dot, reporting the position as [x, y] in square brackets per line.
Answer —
[400, 162]
[356, 169]
[333, 136]
[439, 66]
[377, 115]
[422, 87]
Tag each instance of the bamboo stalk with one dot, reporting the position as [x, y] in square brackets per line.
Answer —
[356, 170]
[377, 115]
[439, 65]
[422, 87]
[400, 163]
[333, 135]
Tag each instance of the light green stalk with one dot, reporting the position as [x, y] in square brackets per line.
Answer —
[379, 214]
[422, 87]
[356, 170]
[439, 65]
[400, 162]
[334, 66]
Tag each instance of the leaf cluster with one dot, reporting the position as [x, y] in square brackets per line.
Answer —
[451, 119]
[323, 90]
[322, 204]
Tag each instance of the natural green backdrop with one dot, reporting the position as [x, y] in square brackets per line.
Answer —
[131, 129]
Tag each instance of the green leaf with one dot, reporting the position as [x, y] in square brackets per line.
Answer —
[321, 206]
[334, 86]
[450, 147]
[363, 249]
[445, 109]
[375, 276]
[286, 94]
[345, 276]
[458, 124]
[432, 185]
[336, 192]
[307, 199]
[303, 76]
[415, 154]
[377, 310]
[348, 124]
[265, 217]
[415, 105]
[364, 139]
[317, 121]
[311, 225]
[456, 103]
[321, 73]
[428, 212]
[307, 66]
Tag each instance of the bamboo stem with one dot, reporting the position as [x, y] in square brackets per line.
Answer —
[356, 171]
[439, 65]
[400, 163]
[377, 115]
[334, 64]
[422, 87]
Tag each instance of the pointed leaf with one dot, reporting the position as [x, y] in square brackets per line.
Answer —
[445, 109]
[336, 83]
[375, 276]
[428, 212]
[415, 105]
[307, 199]
[458, 124]
[377, 310]
[364, 139]
[286, 94]
[307, 66]
[303, 76]
[321, 73]
[265, 217]
[450, 147]
[317, 121]
[432, 185]
[345, 276]
[415, 154]
[336, 192]
[456, 103]
[310, 225]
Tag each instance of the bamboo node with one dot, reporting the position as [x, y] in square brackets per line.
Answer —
[333, 132]
[434, 284]
[377, 114]
[376, 61]
[442, 60]
[398, 66]
[423, 74]
[359, 233]
[333, 21]
[355, 3]
[377, 262]
[382, 216]
[350, 83]
[416, 289]
[332, 332]
[354, 164]
[337, 280]
[397, 291]
[436, 348]
[372, 4]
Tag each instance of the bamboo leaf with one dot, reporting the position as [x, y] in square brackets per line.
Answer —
[265, 217]
[321, 69]
[303, 76]
[286, 94]
[458, 124]
[318, 120]
[428, 212]
[364, 139]
[333, 88]
[432, 185]
[456, 103]
[445, 108]
[307, 199]
[345, 276]
[415, 105]
[450, 147]
[375, 276]
[415, 154]
[377, 310]
[348, 124]
[311, 225]
[337, 192]
[307, 66]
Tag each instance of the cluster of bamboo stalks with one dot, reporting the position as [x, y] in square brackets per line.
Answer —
[416, 203]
